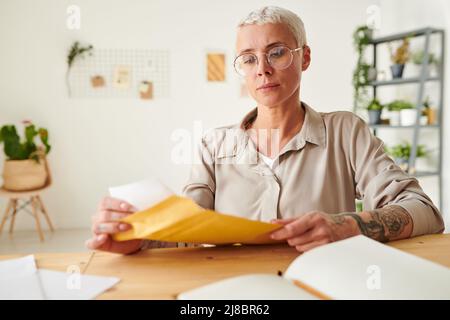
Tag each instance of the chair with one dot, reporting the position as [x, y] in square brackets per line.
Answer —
[32, 198]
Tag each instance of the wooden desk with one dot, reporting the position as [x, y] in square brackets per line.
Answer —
[57, 261]
[164, 273]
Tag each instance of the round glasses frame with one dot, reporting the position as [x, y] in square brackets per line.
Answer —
[235, 63]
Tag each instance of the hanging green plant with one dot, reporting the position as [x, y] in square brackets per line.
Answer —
[361, 39]
[76, 51]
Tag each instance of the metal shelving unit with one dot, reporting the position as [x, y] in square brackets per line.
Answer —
[421, 80]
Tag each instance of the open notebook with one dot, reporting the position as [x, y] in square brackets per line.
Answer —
[354, 268]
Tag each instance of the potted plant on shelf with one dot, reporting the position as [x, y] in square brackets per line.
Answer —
[429, 112]
[408, 114]
[399, 58]
[396, 113]
[401, 153]
[404, 111]
[418, 57]
[24, 169]
[374, 109]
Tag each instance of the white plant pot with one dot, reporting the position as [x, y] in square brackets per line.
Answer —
[408, 117]
[422, 164]
[423, 120]
[416, 70]
[394, 118]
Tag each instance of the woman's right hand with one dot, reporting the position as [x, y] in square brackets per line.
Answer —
[106, 222]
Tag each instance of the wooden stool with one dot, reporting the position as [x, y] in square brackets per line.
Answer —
[32, 198]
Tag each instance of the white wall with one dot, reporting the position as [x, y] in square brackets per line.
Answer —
[102, 142]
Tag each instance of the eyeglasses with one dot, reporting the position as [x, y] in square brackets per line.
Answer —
[279, 57]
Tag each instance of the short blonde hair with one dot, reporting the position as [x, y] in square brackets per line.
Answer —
[272, 14]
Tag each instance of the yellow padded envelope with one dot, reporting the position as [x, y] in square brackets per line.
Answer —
[180, 219]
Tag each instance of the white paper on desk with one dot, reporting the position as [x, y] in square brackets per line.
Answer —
[19, 280]
[142, 194]
[71, 286]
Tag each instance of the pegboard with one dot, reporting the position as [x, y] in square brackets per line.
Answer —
[144, 65]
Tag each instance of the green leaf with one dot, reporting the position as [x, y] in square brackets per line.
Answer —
[76, 51]
[43, 134]
[30, 133]
[374, 105]
[398, 105]
[403, 151]
[14, 149]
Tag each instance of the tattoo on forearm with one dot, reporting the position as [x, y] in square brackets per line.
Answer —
[385, 224]
[373, 228]
[338, 219]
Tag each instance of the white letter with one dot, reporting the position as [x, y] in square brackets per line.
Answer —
[181, 153]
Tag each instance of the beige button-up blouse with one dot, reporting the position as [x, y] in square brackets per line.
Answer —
[333, 160]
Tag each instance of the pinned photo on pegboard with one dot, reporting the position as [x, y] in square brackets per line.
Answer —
[98, 81]
[122, 77]
[146, 90]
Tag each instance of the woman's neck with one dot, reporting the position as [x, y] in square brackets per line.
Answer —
[275, 126]
[285, 118]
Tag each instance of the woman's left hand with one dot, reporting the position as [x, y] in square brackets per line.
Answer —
[314, 229]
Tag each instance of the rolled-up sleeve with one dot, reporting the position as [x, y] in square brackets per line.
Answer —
[380, 182]
[201, 186]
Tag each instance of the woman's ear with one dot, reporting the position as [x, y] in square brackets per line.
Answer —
[306, 57]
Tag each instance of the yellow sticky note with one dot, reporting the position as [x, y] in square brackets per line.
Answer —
[180, 219]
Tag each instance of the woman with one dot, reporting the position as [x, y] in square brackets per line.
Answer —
[289, 164]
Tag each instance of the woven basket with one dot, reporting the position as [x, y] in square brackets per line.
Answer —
[24, 175]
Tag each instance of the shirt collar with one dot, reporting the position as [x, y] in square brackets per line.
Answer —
[312, 131]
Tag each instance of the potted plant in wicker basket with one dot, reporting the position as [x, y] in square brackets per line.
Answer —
[24, 167]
